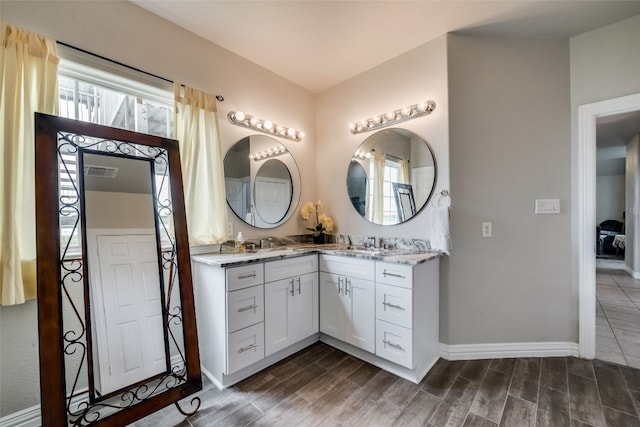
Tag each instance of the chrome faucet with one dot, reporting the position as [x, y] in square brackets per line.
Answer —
[266, 243]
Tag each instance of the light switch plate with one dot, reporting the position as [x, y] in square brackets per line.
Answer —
[487, 229]
[547, 206]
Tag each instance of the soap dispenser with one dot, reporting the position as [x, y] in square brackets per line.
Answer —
[240, 247]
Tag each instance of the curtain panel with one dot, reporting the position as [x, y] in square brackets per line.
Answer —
[202, 165]
[28, 84]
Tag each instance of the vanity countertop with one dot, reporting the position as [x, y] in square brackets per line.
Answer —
[232, 259]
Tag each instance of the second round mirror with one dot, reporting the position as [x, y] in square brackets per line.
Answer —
[391, 176]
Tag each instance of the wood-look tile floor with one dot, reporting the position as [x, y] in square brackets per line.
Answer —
[617, 314]
[322, 386]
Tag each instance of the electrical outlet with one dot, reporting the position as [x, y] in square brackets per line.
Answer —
[230, 229]
[486, 229]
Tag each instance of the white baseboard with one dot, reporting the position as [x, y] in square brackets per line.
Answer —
[634, 274]
[29, 417]
[508, 350]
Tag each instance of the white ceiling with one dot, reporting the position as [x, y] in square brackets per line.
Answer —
[318, 44]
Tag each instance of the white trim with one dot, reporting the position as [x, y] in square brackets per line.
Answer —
[508, 350]
[29, 417]
[584, 211]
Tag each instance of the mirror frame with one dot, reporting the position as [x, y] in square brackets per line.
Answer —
[53, 341]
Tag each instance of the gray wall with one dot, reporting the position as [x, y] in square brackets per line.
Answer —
[509, 145]
[604, 65]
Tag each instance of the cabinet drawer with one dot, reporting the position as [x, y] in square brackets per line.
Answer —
[348, 266]
[394, 274]
[245, 276]
[394, 305]
[245, 307]
[245, 347]
[291, 267]
[394, 343]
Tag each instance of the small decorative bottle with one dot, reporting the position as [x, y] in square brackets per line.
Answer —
[240, 247]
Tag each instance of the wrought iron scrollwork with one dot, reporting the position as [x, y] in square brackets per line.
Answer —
[82, 408]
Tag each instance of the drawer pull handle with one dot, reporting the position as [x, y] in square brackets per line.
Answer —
[388, 304]
[347, 285]
[247, 276]
[299, 290]
[398, 346]
[249, 307]
[385, 273]
[340, 285]
[249, 347]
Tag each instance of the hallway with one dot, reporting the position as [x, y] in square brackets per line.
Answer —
[617, 314]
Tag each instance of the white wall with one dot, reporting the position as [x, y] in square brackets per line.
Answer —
[510, 144]
[610, 195]
[128, 34]
[418, 75]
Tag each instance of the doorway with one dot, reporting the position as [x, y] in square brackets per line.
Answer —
[584, 214]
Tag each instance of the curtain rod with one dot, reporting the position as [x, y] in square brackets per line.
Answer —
[220, 98]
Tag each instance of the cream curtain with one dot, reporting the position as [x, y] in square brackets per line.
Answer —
[28, 84]
[202, 168]
[404, 165]
[375, 209]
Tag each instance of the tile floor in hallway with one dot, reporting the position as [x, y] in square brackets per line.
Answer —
[322, 386]
[617, 314]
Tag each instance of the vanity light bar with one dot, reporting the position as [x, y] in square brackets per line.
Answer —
[270, 152]
[393, 117]
[239, 118]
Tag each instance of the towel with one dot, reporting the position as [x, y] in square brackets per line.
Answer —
[440, 235]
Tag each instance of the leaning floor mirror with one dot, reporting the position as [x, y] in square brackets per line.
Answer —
[116, 316]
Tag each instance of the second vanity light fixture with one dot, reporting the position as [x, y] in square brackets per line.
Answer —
[393, 117]
[239, 118]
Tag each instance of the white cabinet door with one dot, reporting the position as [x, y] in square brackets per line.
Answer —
[331, 305]
[360, 324]
[277, 321]
[304, 310]
[291, 311]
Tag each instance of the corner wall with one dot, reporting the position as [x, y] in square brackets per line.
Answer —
[510, 144]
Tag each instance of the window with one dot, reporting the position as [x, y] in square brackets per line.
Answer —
[392, 173]
[105, 94]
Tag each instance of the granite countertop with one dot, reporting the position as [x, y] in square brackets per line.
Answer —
[229, 259]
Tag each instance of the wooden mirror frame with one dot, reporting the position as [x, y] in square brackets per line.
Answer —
[55, 404]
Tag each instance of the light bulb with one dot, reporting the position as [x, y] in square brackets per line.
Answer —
[253, 122]
[352, 126]
[251, 156]
[239, 116]
[422, 106]
[368, 155]
[291, 132]
[391, 115]
[406, 111]
[300, 135]
[268, 125]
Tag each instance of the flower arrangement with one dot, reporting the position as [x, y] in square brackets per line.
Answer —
[323, 222]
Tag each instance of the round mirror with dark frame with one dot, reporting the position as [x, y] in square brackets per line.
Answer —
[262, 181]
[391, 176]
